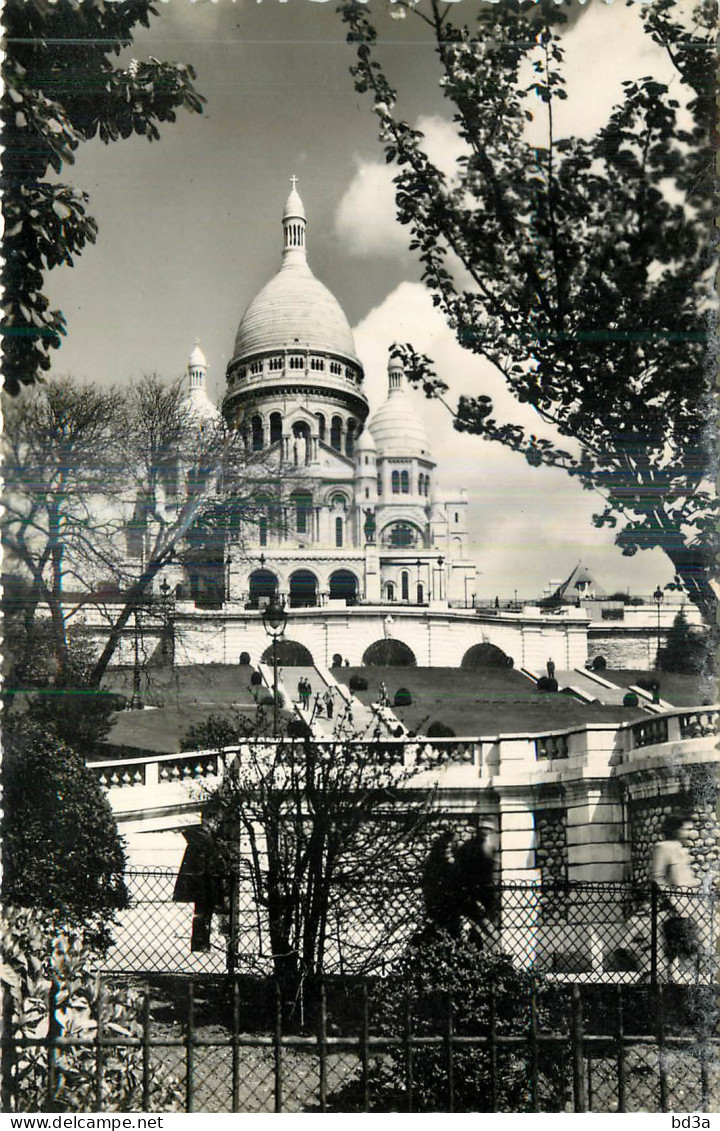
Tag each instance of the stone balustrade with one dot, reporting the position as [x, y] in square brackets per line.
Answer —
[481, 756]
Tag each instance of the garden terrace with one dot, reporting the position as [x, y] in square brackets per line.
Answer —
[679, 688]
[487, 701]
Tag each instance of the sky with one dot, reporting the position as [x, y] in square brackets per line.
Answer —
[190, 230]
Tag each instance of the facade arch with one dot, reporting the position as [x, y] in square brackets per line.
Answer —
[303, 589]
[336, 433]
[275, 427]
[485, 656]
[402, 534]
[343, 584]
[257, 433]
[290, 653]
[389, 653]
[262, 583]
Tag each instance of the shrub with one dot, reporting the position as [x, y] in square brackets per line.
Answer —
[684, 650]
[648, 683]
[61, 847]
[403, 698]
[255, 679]
[244, 658]
[440, 730]
[336, 660]
[37, 949]
[545, 683]
[214, 733]
[433, 968]
[358, 683]
[630, 699]
[296, 728]
[599, 664]
[266, 697]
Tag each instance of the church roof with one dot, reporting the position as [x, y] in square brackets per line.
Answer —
[294, 308]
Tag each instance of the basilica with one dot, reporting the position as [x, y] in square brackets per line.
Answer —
[353, 514]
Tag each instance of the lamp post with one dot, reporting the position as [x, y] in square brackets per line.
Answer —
[658, 599]
[440, 563]
[274, 621]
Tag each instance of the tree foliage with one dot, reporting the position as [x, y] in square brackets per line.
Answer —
[61, 848]
[684, 650]
[585, 264]
[62, 87]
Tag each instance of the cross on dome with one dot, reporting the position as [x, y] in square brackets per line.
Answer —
[293, 181]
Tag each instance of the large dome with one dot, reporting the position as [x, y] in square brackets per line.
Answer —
[294, 308]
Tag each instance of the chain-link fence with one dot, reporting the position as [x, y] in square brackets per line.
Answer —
[590, 932]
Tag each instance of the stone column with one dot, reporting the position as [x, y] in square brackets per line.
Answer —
[519, 904]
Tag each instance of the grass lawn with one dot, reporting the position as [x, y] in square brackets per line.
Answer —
[180, 698]
[675, 687]
[488, 702]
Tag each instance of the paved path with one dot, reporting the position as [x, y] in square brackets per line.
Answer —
[578, 679]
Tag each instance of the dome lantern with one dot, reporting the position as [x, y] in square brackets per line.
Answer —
[294, 226]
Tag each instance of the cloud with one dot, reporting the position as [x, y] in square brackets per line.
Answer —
[365, 219]
[527, 525]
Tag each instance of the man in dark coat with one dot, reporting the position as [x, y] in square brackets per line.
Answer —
[199, 882]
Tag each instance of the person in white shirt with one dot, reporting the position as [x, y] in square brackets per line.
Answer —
[672, 871]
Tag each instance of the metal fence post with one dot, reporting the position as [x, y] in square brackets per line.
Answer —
[233, 924]
[235, 1044]
[653, 934]
[492, 1048]
[534, 1050]
[365, 1047]
[576, 1031]
[620, 1050]
[53, 1034]
[408, 1048]
[190, 1050]
[449, 1051]
[660, 1038]
[322, 1047]
[99, 1049]
[146, 1045]
[278, 1049]
[9, 1051]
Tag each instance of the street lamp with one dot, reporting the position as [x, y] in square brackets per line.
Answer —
[658, 599]
[274, 620]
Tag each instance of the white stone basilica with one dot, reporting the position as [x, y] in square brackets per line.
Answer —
[353, 514]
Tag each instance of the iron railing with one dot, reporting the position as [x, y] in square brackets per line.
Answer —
[217, 1045]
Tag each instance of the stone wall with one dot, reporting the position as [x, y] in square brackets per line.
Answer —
[551, 845]
[703, 840]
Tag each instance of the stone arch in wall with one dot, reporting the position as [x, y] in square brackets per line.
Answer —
[290, 654]
[485, 656]
[343, 584]
[389, 653]
[303, 589]
[262, 583]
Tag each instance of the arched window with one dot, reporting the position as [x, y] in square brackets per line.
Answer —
[321, 426]
[275, 427]
[350, 438]
[338, 532]
[302, 501]
[390, 591]
[405, 585]
[257, 433]
[396, 482]
[405, 481]
[427, 484]
[339, 501]
[420, 593]
[336, 434]
[421, 482]
[379, 484]
[402, 535]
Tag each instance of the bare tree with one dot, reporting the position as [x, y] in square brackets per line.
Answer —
[325, 825]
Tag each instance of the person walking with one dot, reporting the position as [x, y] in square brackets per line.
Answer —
[329, 703]
[308, 693]
[671, 870]
[383, 693]
[301, 691]
[550, 668]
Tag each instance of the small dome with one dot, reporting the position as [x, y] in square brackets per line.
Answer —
[202, 407]
[197, 357]
[294, 206]
[396, 427]
[365, 442]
